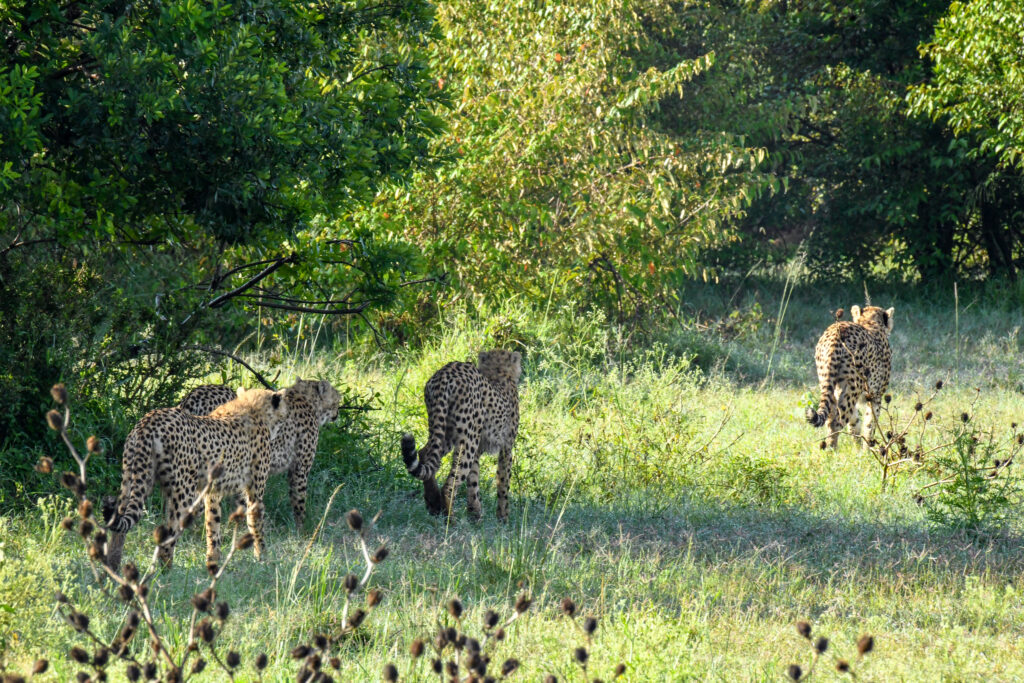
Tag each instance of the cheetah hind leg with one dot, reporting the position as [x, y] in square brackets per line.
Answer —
[431, 491]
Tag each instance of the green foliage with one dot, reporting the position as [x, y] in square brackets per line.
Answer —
[560, 174]
[977, 490]
[978, 81]
[870, 185]
[177, 119]
[168, 168]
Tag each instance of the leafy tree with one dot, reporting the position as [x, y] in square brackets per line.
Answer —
[167, 166]
[559, 173]
[822, 85]
[978, 76]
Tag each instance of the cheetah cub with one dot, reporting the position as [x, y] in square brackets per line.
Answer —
[854, 362]
[470, 409]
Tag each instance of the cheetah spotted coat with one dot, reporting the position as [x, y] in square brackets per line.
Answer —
[854, 362]
[471, 409]
[179, 451]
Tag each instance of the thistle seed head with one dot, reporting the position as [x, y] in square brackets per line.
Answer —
[204, 629]
[455, 608]
[865, 645]
[354, 519]
[804, 629]
[54, 419]
[794, 672]
[59, 393]
[356, 619]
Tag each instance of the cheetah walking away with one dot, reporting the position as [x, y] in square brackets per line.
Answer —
[854, 362]
[471, 409]
[178, 451]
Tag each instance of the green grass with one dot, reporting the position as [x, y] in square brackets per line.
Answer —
[673, 490]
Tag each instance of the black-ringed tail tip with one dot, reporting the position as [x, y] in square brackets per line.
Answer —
[408, 449]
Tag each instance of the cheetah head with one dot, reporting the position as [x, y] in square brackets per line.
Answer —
[322, 395]
[873, 316]
[500, 365]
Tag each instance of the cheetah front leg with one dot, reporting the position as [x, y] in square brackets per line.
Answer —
[254, 514]
[504, 475]
[298, 481]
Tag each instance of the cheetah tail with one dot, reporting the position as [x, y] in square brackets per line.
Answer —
[409, 452]
[136, 483]
[818, 417]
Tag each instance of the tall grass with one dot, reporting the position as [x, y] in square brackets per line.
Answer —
[690, 511]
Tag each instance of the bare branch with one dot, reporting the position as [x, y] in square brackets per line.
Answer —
[220, 352]
[263, 274]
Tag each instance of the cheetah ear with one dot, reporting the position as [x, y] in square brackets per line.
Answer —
[888, 318]
[517, 358]
[481, 357]
[275, 400]
[321, 387]
[855, 312]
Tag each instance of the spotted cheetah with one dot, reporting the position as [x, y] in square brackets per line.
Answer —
[471, 409]
[178, 450]
[203, 399]
[854, 362]
[311, 405]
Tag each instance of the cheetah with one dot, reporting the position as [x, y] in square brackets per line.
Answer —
[471, 409]
[311, 405]
[178, 450]
[203, 399]
[854, 362]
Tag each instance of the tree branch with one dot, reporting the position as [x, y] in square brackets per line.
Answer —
[223, 298]
[219, 352]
